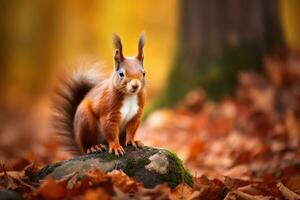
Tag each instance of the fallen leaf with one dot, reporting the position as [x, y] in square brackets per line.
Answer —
[287, 193]
[51, 189]
[123, 182]
[184, 192]
[98, 193]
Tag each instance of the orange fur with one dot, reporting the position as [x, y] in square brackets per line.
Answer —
[98, 118]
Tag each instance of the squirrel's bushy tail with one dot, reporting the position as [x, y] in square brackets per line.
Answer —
[68, 94]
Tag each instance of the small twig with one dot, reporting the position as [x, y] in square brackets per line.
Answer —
[286, 192]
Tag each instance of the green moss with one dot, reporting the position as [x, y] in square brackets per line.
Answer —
[188, 178]
[108, 156]
[177, 173]
[132, 166]
[45, 171]
[104, 155]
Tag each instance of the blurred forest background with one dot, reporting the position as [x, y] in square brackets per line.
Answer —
[223, 81]
[38, 36]
[190, 44]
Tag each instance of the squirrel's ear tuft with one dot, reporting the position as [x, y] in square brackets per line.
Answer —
[141, 44]
[119, 49]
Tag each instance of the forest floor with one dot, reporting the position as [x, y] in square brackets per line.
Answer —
[244, 147]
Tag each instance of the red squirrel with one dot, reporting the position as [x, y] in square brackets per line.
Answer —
[109, 111]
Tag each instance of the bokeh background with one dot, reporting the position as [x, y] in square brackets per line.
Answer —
[189, 44]
[37, 37]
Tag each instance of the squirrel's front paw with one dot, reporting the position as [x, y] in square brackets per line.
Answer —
[96, 148]
[116, 148]
[135, 143]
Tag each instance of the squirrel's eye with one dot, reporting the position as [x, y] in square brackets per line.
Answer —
[121, 74]
[144, 73]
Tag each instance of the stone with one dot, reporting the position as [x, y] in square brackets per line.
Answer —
[147, 165]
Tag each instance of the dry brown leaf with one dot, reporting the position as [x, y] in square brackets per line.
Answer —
[123, 182]
[250, 189]
[196, 147]
[12, 179]
[8, 182]
[96, 179]
[184, 192]
[96, 176]
[239, 194]
[287, 193]
[293, 183]
[51, 189]
[159, 192]
[98, 193]
[292, 122]
[70, 179]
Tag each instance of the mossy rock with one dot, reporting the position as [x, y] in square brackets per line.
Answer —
[150, 166]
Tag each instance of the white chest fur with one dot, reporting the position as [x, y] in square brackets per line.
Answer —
[128, 109]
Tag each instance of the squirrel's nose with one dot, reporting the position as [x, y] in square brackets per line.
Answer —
[134, 86]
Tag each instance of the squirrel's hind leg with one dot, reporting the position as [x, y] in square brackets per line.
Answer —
[86, 130]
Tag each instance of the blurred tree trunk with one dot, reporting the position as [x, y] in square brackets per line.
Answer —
[219, 38]
[27, 36]
[34, 35]
[290, 22]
